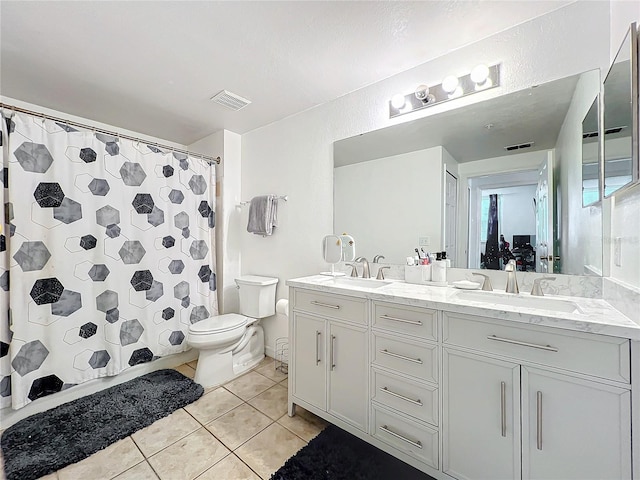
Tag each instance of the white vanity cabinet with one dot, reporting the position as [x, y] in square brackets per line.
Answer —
[329, 345]
[466, 396]
[517, 397]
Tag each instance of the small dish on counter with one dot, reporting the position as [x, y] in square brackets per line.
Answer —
[466, 285]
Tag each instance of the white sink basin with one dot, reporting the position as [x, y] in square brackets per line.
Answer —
[526, 301]
[360, 282]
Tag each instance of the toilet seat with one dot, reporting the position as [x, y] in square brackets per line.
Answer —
[218, 324]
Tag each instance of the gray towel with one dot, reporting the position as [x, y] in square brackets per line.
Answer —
[263, 215]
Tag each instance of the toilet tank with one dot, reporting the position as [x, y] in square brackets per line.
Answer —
[257, 295]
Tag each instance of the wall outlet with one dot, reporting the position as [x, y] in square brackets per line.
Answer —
[424, 241]
[616, 251]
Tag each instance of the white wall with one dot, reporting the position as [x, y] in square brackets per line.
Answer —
[227, 145]
[364, 209]
[581, 228]
[294, 156]
[516, 213]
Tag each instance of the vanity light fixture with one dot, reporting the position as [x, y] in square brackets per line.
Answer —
[482, 77]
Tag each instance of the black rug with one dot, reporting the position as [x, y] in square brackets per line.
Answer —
[338, 455]
[51, 440]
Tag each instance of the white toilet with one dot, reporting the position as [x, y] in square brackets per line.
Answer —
[233, 343]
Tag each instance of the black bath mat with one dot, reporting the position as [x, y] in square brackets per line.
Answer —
[338, 455]
[51, 440]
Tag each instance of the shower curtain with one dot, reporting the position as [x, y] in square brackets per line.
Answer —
[107, 255]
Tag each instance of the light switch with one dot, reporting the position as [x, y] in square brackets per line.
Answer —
[424, 241]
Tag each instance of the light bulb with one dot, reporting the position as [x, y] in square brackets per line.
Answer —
[457, 92]
[422, 92]
[397, 101]
[480, 74]
[450, 83]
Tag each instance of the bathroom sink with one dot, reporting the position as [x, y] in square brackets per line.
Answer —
[360, 282]
[526, 301]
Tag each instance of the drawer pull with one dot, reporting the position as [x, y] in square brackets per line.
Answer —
[549, 348]
[385, 429]
[407, 399]
[396, 355]
[403, 320]
[328, 305]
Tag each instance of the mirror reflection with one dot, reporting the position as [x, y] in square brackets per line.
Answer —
[620, 133]
[591, 157]
[510, 165]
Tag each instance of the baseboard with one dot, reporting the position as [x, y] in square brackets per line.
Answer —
[8, 416]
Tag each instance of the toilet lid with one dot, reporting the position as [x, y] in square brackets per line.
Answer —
[219, 323]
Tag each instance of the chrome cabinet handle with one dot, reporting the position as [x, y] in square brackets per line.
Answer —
[396, 319]
[385, 429]
[333, 349]
[503, 408]
[328, 305]
[407, 399]
[402, 357]
[317, 349]
[539, 420]
[549, 348]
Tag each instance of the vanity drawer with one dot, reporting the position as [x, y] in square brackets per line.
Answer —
[590, 354]
[409, 357]
[415, 321]
[329, 305]
[418, 441]
[409, 397]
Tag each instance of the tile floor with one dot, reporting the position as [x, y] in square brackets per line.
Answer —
[239, 431]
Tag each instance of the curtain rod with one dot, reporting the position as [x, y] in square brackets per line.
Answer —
[210, 160]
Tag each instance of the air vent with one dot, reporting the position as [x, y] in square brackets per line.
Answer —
[589, 134]
[614, 130]
[230, 100]
[519, 146]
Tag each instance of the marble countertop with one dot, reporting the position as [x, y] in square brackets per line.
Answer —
[591, 315]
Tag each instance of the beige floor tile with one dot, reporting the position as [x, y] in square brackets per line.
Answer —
[272, 402]
[142, 471]
[263, 362]
[270, 371]
[186, 370]
[164, 432]
[249, 385]
[304, 424]
[102, 465]
[266, 452]
[239, 425]
[285, 383]
[51, 476]
[193, 364]
[213, 404]
[189, 457]
[229, 468]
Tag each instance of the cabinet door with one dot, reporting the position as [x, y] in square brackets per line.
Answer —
[348, 379]
[481, 417]
[574, 428]
[310, 367]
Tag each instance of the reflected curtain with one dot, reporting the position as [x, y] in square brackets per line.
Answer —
[110, 252]
[492, 249]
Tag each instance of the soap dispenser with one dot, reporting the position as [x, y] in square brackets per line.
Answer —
[439, 269]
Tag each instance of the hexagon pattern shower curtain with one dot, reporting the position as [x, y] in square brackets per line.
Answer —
[109, 250]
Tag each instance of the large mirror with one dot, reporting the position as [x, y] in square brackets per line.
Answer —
[591, 156]
[510, 165]
[621, 117]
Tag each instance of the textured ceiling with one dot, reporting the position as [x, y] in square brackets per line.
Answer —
[152, 66]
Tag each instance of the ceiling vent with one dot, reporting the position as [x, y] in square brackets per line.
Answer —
[519, 146]
[230, 100]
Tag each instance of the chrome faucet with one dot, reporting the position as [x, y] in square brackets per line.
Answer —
[365, 267]
[536, 291]
[512, 281]
[377, 258]
[486, 284]
[354, 269]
